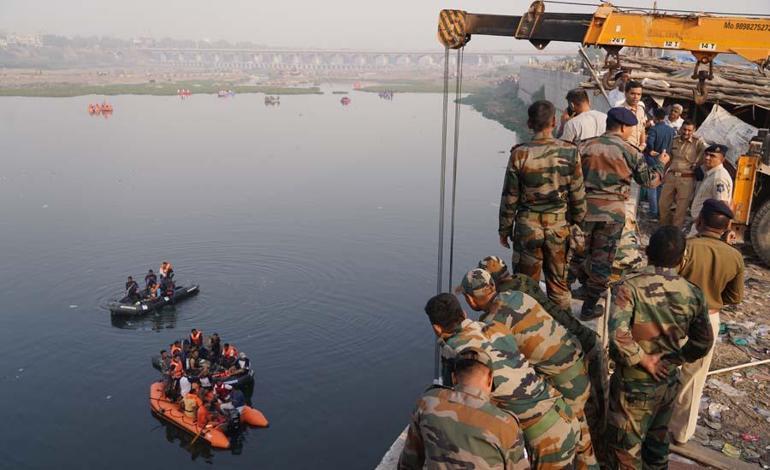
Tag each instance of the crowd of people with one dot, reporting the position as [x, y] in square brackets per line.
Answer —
[154, 288]
[194, 371]
[528, 383]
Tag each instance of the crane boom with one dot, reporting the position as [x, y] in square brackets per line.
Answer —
[608, 27]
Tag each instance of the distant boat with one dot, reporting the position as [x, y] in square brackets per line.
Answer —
[271, 100]
[339, 93]
[225, 93]
[345, 101]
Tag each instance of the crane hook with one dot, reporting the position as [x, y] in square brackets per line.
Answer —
[612, 65]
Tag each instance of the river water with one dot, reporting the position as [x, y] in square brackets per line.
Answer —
[311, 228]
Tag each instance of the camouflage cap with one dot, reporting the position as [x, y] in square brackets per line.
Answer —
[494, 266]
[476, 280]
[472, 353]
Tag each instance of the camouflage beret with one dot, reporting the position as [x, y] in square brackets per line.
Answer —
[476, 280]
[494, 266]
[472, 353]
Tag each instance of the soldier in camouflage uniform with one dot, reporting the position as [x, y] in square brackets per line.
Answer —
[543, 193]
[549, 347]
[652, 313]
[460, 428]
[505, 281]
[550, 430]
[609, 164]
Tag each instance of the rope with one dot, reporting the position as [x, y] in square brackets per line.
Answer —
[458, 92]
[634, 8]
[442, 210]
[442, 184]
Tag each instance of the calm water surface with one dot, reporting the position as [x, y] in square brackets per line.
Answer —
[310, 227]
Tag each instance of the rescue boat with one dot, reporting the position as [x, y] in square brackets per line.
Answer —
[235, 380]
[170, 411]
[146, 306]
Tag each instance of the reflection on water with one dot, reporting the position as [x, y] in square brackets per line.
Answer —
[310, 227]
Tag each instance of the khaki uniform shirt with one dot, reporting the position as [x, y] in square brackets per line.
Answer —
[637, 138]
[686, 155]
[716, 185]
[715, 267]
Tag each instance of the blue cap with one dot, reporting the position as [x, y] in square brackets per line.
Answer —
[623, 116]
[719, 148]
[711, 206]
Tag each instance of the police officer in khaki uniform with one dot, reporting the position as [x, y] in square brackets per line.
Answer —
[679, 182]
[718, 269]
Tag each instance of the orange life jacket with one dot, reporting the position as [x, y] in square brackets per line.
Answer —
[176, 369]
[175, 349]
[231, 352]
[196, 339]
[191, 403]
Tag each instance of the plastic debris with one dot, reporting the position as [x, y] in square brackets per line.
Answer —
[749, 455]
[73, 306]
[740, 341]
[749, 437]
[21, 369]
[727, 389]
[713, 425]
[716, 409]
[108, 397]
[717, 444]
[731, 451]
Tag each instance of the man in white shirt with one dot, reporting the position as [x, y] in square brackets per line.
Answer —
[617, 96]
[674, 118]
[585, 122]
[717, 184]
[634, 103]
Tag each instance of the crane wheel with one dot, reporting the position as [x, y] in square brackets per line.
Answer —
[760, 233]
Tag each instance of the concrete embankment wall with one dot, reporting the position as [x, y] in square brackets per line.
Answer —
[555, 83]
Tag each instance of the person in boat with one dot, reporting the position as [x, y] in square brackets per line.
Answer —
[175, 372]
[238, 399]
[204, 377]
[196, 337]
[152, 292]
[167, 287]
[243, 364]
[176, 348]
[193, 362]
[215, 348]
[191, 402]
[224, 395]
[132, 290]
[229, 355]
[150, 279]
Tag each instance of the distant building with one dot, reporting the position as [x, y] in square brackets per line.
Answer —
[27, 40]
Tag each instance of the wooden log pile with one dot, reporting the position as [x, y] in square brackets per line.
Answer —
[735, 85]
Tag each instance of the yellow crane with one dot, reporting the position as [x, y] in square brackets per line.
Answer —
[613, 28]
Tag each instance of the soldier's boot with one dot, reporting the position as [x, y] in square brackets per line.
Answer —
[589, 311]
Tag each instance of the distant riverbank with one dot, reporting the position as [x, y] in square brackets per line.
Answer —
[422, 86]
[55, 90]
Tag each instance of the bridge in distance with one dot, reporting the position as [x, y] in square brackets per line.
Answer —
[341, 59]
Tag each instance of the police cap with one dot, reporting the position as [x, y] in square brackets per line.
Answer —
[711, 206]
[718, 148]
[623, 116]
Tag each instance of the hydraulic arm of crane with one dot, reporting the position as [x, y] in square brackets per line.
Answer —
[703, 35]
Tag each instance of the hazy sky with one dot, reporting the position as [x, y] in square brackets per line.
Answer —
[391, 24]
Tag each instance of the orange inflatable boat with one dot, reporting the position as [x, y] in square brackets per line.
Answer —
[171, 412]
